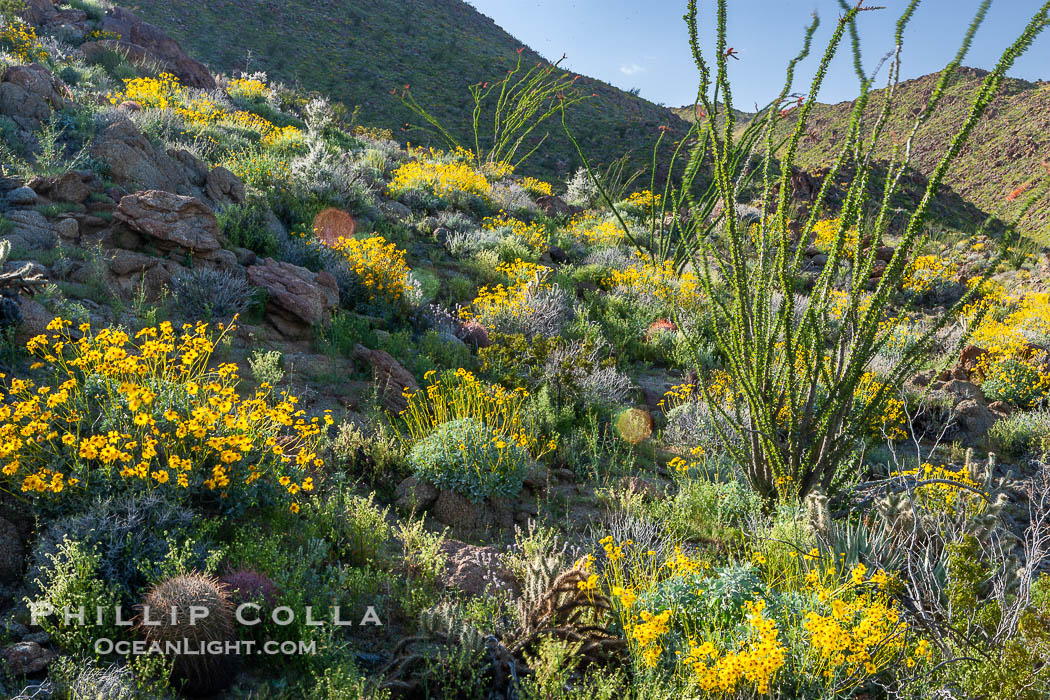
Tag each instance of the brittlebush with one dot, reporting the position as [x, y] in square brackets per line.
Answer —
[116, 413]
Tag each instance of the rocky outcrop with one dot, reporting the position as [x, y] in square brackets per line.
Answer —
[464, 516]
[552, 205]
[170, 221]
[144, 42]
[29, 93]
[296, 297]
[414, 494]
[25, 658]
[31, 229]
[135, 164]
[392, 380]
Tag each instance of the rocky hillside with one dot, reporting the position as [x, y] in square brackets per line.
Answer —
[358, 53]
[1007, 154]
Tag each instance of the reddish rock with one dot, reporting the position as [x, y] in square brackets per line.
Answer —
[647, 488]
[170, 220]
[29, 93]
[415, 494]
[552, 205]
[661, 325]
[390, 377]
[296, 297]
[146, 41]
[26, 658]
[473, 333]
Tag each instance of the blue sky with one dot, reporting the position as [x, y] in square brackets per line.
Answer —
[643, 44]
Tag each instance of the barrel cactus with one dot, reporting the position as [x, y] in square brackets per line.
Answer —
[192, 611]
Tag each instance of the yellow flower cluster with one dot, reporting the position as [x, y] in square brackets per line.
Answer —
[756, 663]
[858, 632]
[20, 38]
[248, 88]
[890, 420]
[658, 280]
[644, 200]
[944, 496]
[926, 271]
[457, 395]
[844, 630]
[537, 187]
[441, 179]
[826, 234]
[143, 412]
[507, 301]
[379, 265]
[162, 92]
[535, 235]
[593, 230]
[165, 92]
[1011, 364]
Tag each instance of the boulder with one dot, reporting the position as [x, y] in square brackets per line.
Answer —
[462, 515]
[29, 93]
[390, 377]
[171, 221]
[296, 297]
[552, 206]
[25, 658]
[415, 494]
[31, 229]
[646, 488]
[39, 12]
[12, 553]
[475, 570]
[976, 418]
[72, 187]
[223, 187]
[135, 164]
[146, 42]
[21, 197]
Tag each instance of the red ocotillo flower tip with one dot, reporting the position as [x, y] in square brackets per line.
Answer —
[520, 49]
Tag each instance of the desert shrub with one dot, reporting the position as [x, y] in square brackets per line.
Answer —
[1016, 381]
[249, 226]
[326, 173]
[703, 509]
[465, 456]
[124, 532]
[513, 197]
[378, 456]
[266, 367]
[577, 368]
[1023, 433]
[148, 414]
[356, 527]
[755, 627]
[445, 352]
[206, 294]
[71, 581]
[580, 190]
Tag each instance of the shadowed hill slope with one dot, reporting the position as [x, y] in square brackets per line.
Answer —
[359, 52]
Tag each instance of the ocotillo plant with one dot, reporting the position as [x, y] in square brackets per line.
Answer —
[517, 104]
[800, 365]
